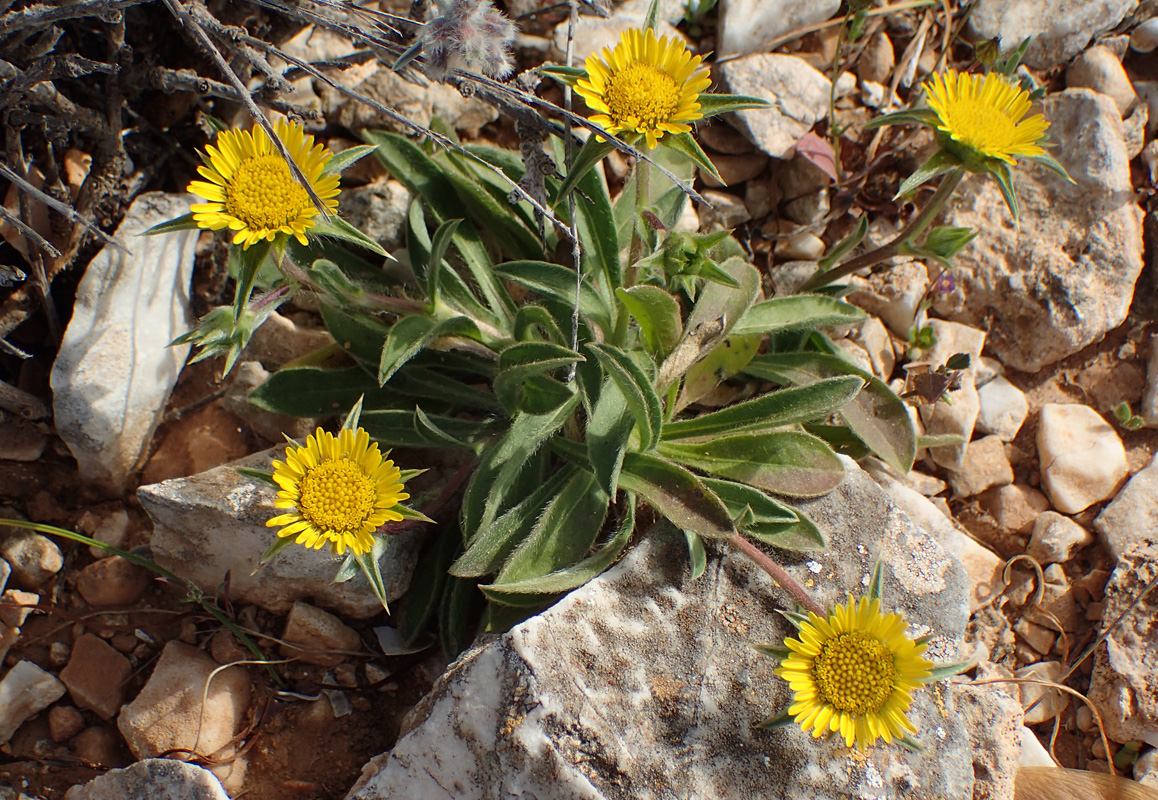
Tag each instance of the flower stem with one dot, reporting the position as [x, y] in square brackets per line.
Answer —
[777, 573]
[893, 248]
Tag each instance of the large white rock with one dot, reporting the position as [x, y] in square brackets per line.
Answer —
[644, 684]
[1003, 409]
[213, 523]
[1132, 517]
[115, 370]
[1066, 276]
[798, 94]
[1057, 29]
[749, 26]
[1082, 458]
[26, 690]
[152, 779]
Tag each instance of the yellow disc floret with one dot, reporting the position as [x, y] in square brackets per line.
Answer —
[986, 115]
[854, 672]
[250, 188]
[341, 490]
[646, 85]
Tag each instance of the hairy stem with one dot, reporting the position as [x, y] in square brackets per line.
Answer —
[777, 573]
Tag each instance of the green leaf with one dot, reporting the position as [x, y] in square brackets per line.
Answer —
[608, 432]
[338, 228]
[311, 391]
[651, 19]
[658, 315]
[524, 360]
[712, 105]
[593, 151]
[568, 578]
[557, 282]
[566, 75]
[350, 423]
[677, 494]
[766, 519]
[721, 363]
[490, 546]
[427, 428]
[696, 554]
[770, 411]
[435, 386]
[638, 389]
[1000, 172]
[686, 146]
[598, 234]
[368, 563]
[359, 335]
[789, 462]
[245, 263]
[846, 245]
[346, 158]
[1052, 164]
[182, 223]
[438, 246]
[797, 312]
[400, 428]
[455, 631]
[278, 545]
[428, 580]
[937, 164]
[411, 334]
[919, 116]
[877, 416]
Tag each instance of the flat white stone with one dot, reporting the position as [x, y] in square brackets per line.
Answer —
[748, 26]
[1132, 517]
[798, 94]
[25, 690]
[1057, 29]
[114, 372]
[152, 779]
[1082, 458]
[1003, 409]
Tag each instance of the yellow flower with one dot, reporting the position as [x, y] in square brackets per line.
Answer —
[853, 672]
[341, 491]
[645, 85]
[251, 190]
[986, 115]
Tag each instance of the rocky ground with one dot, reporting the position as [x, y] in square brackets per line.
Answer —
[1030, 550]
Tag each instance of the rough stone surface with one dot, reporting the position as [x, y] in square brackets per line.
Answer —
[798, 94]
[993, 719]
[1067, 276]
[5, 572]
[1124, 686]
[15, 606]
[1150, 399]
[1132, 517]
[64, 722]
[593, 34]
[168, 713]
[1015, 508]
[1056, 537]
[379, 210]
[983, 467]
[214, 522]
[1099, 69]
[115, 369]
[1003, 409]
[418, 103]
[747, 26]
[113, 581]
[102, 745]
[318, 634]
[96, 675]
[1057, 29]
[1049, 702]
[152, 779]
[956, 418]
[643, 684]
[1082, 458]
[1146, 768]
[25, 691]
[32, 558]
[894, 295]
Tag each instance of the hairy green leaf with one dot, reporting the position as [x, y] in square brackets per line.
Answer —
[797, 312]
[788, 462]
[677, 494]
[637, 387]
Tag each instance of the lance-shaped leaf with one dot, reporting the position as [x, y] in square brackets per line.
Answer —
[712, 105]
[453, 291]
[937, 164]
[658, 315]
[789, 462]
[598, 235]
[845, 246]
[638, 389]
[411, 334]
[677, 494]
[522, 361]
[877, 416]
[182, 223]
[697, 555]
[686, 145]
[346, 158]
[797, 312]
[338, 228]
[608, 433]
[592, 152]
[557, 283]
[311, 391]
[770, 411]
[438, 247]
[400, 428]
[568, 578]
[721, 363]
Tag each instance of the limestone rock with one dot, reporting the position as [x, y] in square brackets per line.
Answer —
[1146, 767]
[1056, 537]
[96, 675]
[798, 94]
[318, 634]
[5, 573]
[893, 294]
[114, 372]
[379, 210]
[1150, 399]
[214, 522]
[32, 558]
[15, 606]
[1015, 508]
[64, 722]
[1003, 409]
[1124, 685]
[877, 60]
[113, 581]
[1040, 702]
[956, 418]
[592, 34]
[168, 713]
[418, 103]
[985, 465]
[1082, 458]
[25, 690]
[1057, 29]
[993, 719]
[1067, 276]
[152, 779]
[643, 684]
[747, 26]
[1099, 69]
[1132, 517]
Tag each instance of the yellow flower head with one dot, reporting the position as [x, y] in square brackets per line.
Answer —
[341, 490]
[853, 672]
[251, 190]
[645, 85]
[986, 115]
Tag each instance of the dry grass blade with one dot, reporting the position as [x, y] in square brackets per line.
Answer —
[59, 207]
[1055, 783]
